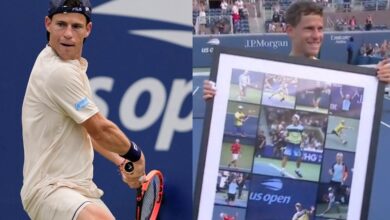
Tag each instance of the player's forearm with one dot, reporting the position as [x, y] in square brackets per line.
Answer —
[111, 138]
[111, 156]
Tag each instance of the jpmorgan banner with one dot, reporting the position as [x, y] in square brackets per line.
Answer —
[140, 71]
[334, 47]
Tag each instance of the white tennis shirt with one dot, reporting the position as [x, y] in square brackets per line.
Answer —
[57, 149]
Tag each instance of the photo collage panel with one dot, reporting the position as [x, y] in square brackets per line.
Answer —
[288, 148]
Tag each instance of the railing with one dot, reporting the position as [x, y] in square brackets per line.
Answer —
[329, 23]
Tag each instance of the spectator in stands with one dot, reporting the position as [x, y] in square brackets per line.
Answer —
[347, 5]
[369, 49]
[383, 48]
[368, 25]
[387, 55]
[222, 27]
[236, 18]
[224, 7]
[272, 27]
[305, 24]
[202, 19]
[352, 23]
[240, 5]
[350, 50]
[283, 21]
[275, 21]
[363, 49]
[276, 16]
[377, 50]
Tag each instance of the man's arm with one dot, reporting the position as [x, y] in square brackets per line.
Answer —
[111, 142]
[107, 134]
[111, 156]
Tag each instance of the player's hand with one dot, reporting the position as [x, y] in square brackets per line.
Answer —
[209, 89]
[383, 70]
[134, 178]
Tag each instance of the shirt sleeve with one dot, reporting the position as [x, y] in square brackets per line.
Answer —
[66, 89]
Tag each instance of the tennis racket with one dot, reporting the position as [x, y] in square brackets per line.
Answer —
[149, 195]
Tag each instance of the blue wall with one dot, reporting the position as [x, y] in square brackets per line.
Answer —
[119, 63]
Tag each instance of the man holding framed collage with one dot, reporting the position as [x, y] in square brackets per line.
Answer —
[305, 26]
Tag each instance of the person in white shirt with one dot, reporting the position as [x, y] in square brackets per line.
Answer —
[62, 126]
[244, 81]
[305, 28]
[224, 7]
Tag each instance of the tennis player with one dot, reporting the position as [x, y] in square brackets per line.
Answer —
[305, 26]
[62, 126]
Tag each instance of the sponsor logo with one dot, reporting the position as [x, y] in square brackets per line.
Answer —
[207, 50]
[340, 39]
[147, 10]
[271, 198]
[273, 184]
[266, 43]
[162, 102]
[172, 27]
[214, 41]
[81, 104]
[312, 157]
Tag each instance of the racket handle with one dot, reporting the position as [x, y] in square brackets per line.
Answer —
[129, 167]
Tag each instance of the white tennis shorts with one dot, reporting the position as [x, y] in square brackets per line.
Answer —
[65, 204]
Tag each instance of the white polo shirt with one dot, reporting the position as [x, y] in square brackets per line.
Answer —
[57, 149]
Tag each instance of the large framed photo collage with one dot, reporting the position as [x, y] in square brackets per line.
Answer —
[287, 138]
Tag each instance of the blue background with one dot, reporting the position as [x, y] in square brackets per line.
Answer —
[125, 58]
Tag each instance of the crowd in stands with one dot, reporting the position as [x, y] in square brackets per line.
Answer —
[228, 18]
[351, 24]
[231, 16]
[347, 23]
[278, 21]
[376, 50]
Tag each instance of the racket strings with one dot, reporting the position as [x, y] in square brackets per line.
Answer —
[150, 197]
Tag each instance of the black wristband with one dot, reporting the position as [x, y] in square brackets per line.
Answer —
[134, 153]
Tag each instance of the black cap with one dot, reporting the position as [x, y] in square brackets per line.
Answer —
[57, 6]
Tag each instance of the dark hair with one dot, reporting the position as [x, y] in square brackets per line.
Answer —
[71, 4]
[302, 8]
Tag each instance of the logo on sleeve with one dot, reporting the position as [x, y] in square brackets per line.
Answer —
[81, 104]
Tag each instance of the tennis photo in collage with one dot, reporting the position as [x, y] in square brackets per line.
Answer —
[313, 96]
[232, 188]
[294, 145]
[246, 86]
[279, 91]
[289, 144]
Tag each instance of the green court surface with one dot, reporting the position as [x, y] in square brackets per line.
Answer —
[253, 95]
[277, 100]
[268, 166]
[244, 161]
[350, 135]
